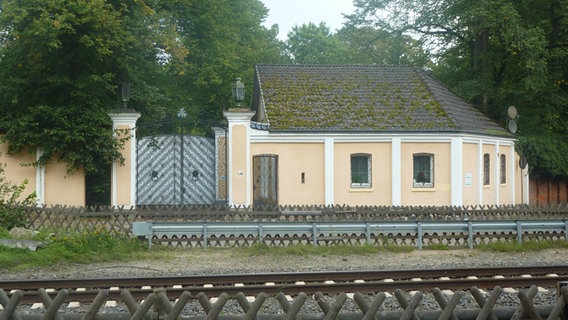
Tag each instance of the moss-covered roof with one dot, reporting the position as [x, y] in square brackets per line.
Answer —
[328, 98]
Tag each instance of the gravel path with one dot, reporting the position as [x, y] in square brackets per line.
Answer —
[218, 261]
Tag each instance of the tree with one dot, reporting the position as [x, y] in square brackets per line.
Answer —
[224, 39]
[61, 65]
[368, 45]
[495, 53]
[310, 43]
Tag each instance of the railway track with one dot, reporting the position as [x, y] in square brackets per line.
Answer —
[296, 283]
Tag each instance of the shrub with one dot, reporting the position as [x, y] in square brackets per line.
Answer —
[12, 203]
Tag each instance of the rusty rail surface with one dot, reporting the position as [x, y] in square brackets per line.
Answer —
[296, 283]
[557, 272]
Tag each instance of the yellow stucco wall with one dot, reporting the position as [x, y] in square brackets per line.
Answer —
[440, 193]
[470, 173]
[239, 164]
[59, 187]
[308, 158]
[63, 188]
[293, 159]
[124, 171]
[381, 177]
[15, 171]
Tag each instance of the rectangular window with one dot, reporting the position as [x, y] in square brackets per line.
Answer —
[423, 171]
[486, 169]
[503, 172]
[361, 170]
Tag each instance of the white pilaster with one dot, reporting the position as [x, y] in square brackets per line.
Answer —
[238, 117]
[329, 166]
[40, 181]
[456, 171]
[396, 149]
[125, 120]
[480, 172]
[511, 169]
[497, 174]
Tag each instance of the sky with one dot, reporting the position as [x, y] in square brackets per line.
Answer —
[289, 13]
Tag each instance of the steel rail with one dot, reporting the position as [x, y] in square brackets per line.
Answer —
[312, 288]
[295, 283]
[281, 278]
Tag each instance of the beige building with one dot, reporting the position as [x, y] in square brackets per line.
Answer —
[366, 135]
[53, 185]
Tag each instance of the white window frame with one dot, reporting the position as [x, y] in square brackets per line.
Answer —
[369, 163]
[422, 184]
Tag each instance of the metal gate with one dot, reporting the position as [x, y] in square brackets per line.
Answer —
[176, 169]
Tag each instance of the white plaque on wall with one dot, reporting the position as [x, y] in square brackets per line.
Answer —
[468, 179]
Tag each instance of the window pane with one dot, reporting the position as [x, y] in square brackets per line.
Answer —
[486, 169]
[422, 169]
[503, 169]
[359, 169]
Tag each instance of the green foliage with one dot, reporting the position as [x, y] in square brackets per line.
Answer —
[224, 39]
[13, 203]
[546, 155]
[366, 45]
[314, 44]
[61, 65]
[494, 53]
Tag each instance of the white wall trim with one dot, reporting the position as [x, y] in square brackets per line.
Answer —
[480, 172]
[261, 136]
[127, 119]
[235, 118]
[456, 171]
[329, 167]
[512, 168]
[40, 180]
[396, 152]
[497, 175]
[248, 172]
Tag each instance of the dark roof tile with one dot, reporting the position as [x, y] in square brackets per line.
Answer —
[328, 98]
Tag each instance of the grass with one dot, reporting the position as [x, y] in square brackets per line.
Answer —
[101, 246]
[304, 250]
[85, 247]
[526, 246]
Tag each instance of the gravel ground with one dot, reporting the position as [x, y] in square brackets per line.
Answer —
[220, 261]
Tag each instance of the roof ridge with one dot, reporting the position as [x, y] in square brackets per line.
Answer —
[424, 77]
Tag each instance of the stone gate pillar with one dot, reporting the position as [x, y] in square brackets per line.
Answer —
[238, 157]
[123, 180]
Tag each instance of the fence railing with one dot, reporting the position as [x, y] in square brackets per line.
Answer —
[158, 305]
[120, 219]
[445, 232]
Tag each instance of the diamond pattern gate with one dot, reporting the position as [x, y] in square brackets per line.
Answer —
[176, 169]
